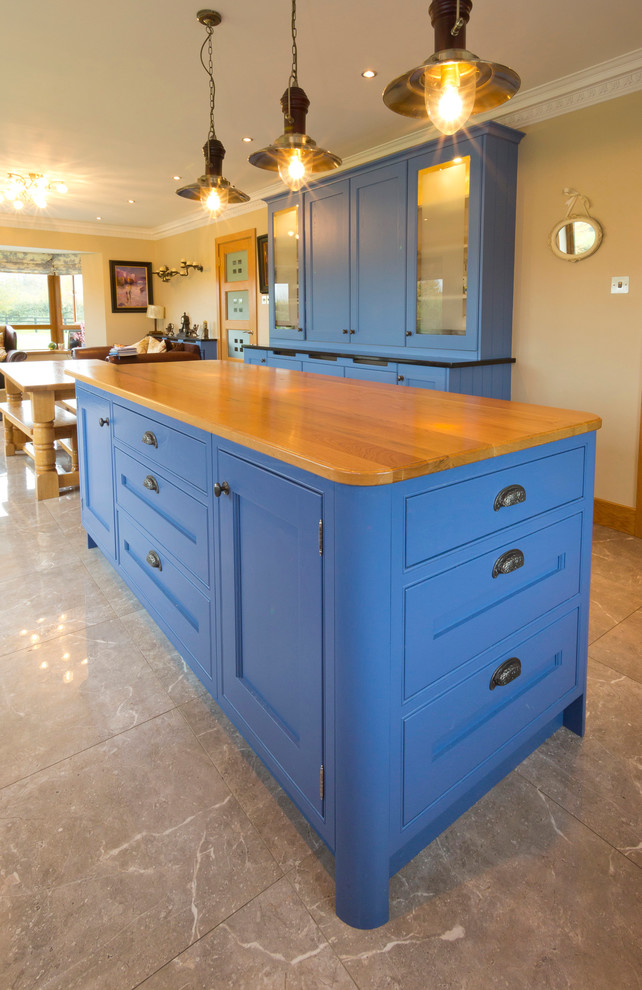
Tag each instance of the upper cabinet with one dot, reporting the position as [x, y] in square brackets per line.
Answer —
[412, 254]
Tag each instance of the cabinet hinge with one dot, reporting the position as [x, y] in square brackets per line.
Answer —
[322, 782]
[321, 539]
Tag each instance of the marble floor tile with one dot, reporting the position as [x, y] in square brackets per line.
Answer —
[118, 859]
[65, 695]
[270, 943]
[168, 665]
[621, 647]
[610, 604]
[598, 779]
[49, 603]
[516, 893]
[283, 828]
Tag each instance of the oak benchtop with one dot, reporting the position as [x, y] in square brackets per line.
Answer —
[350, 431]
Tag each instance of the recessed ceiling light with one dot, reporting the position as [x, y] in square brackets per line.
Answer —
[368, 73]
[98, 218]
[246, 140]
[177, 178]
[131, 200]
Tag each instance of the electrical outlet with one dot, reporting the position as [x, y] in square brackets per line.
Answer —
[620, 283]
[265, 300]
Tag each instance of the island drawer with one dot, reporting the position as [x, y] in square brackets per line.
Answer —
[178, 520]
[448, 740]
[456, 614]
[183, 608]
[163, 446]
[469, 510]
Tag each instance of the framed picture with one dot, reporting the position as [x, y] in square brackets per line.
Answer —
[261, 246]
[131, 286]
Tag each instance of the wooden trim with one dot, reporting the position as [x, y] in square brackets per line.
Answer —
[55, 308]
[638, 501]
[620, 517]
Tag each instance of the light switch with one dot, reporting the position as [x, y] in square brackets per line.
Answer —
[620, 283]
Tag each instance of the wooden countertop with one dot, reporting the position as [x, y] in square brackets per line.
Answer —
[350, 431]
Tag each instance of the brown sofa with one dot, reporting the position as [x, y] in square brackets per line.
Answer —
[175, 352]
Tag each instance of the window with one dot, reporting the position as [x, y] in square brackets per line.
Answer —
[41, 308]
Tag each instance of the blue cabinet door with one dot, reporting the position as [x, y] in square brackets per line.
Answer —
[271, 621]
[96, 472]
[378, 257]
[327, 263]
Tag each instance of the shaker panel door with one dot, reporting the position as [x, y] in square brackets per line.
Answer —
[95, 463]
[327, 269]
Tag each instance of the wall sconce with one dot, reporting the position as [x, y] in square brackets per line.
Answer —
[166, 274]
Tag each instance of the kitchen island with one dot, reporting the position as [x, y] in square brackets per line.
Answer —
[386, 590]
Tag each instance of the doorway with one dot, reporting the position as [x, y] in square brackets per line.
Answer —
[236, 267]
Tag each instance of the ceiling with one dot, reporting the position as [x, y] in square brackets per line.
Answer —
[116, 105]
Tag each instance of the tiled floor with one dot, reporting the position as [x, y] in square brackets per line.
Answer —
[143, 845]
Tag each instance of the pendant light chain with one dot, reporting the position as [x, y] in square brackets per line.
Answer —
[459, 23]
[293, 80]
[209, 68]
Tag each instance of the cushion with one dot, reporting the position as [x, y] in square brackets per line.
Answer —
[3, 354]
[141, 345]
[156, 346]
[2, 329]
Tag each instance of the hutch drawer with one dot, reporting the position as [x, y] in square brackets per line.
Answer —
[162, 445]
[155, 575]
[178, 520]
[452, 736]
[490, 503]
[453, 616]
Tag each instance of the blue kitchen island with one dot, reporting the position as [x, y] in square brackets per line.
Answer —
[386, 590]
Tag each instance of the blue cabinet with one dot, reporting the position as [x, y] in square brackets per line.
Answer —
[411, 254]
[94, 412]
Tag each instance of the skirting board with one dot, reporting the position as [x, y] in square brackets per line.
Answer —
[620, 517]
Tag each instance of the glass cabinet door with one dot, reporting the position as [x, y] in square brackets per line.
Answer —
[285, 301]
[442, 248]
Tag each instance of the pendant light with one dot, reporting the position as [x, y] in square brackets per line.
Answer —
[294, 155]
[453, 84]
[212, 189]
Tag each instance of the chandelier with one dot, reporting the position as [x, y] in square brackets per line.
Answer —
[29, 190]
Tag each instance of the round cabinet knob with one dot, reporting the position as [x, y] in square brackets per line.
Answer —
[344, 331]
[154, 560]
[150, 483]
[221, 489]
[400, 378]
[262, 360]
[103, 422]
[353, 331]
[150, 438]
[408, 333]
[299, 329]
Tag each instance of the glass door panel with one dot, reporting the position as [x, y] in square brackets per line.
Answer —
[442, 248]
[285, 226]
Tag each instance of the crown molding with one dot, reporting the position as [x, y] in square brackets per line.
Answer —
[75, 227]
[200, 219]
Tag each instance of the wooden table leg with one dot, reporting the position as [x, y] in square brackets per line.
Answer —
[43, 410]
[14, 440]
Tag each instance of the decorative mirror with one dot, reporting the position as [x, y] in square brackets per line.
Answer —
[578, 235]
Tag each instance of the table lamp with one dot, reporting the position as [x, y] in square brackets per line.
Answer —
[156, 313]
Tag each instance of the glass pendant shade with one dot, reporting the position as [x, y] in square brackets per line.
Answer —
[453, 84]
[294, 155]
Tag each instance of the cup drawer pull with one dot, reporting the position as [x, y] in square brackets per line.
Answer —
[506, 672]
[509, 561]
[150, 483]
[150, 438]
[154, 560]
[511, 495]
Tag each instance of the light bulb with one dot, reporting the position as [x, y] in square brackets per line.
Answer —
[294, 171]
[39, 200]
[214, 201]
[450, 95]
[18, 204]
[61, 188]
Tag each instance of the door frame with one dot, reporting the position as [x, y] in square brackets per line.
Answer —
[220, 252]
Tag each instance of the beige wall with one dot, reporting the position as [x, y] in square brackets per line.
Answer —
[197, 294]
[576, 345]
[101, 325]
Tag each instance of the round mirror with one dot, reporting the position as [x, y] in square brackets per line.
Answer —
[575, 238]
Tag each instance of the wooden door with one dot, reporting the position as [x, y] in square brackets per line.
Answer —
[236, 267]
